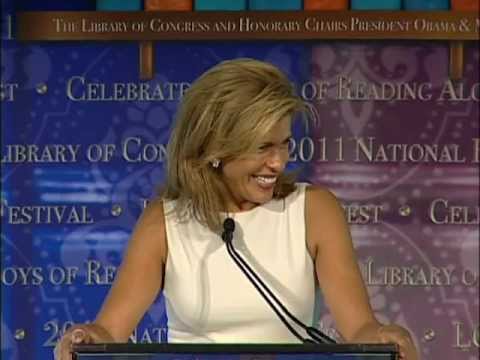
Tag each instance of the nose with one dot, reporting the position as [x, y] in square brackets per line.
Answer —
[277, 159]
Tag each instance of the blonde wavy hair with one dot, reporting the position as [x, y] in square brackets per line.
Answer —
[225, 114]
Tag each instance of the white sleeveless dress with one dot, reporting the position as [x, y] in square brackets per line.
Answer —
[209, 299]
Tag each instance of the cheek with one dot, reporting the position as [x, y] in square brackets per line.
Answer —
[236, 174]
[241, 171]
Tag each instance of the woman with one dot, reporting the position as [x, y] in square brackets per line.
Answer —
[226, 158]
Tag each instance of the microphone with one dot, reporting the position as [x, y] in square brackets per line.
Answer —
[316, 335]
[227, 235]
[228, 229]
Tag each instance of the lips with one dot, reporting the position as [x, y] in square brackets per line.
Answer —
[265, 181]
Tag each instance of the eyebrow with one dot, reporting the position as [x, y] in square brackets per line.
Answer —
[269, 143]
[288, 138]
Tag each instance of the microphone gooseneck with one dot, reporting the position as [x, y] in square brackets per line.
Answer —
[233, 255]
[317, 335]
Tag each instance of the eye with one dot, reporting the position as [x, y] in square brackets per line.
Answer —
[285, 144]
[263, 147]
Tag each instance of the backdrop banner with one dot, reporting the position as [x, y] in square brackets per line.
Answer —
[83, 147]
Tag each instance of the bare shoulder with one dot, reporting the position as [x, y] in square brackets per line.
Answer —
[319, 198]
[153, 213]
[150, 229]
[324, 218]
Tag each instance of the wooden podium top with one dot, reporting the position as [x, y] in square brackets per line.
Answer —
[236, 351]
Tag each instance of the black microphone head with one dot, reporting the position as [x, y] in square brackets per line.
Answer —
[229, 225]
[228, 229]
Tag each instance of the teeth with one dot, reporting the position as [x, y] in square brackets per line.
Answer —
[266, 180]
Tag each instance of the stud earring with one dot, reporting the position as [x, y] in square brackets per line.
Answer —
[215, 163]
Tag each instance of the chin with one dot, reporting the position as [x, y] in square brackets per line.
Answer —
[263, 196]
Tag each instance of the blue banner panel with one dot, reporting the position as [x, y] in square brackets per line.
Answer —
[376, 4]
[119, 5]
[275, 5]
[427, 4]
[54, 5]
[212, 5]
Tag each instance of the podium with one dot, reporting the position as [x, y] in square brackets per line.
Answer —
[235, 352]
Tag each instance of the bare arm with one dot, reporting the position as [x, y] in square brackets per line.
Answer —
[136, 285]
[329, 242]
[340, 280]
[139, 278]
